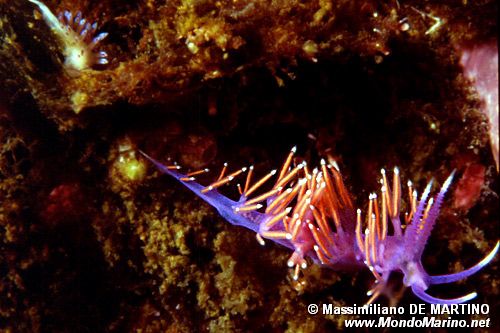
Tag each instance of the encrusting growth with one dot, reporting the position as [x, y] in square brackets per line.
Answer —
[311, 213]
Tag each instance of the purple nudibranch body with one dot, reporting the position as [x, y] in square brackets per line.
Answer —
[311, 213]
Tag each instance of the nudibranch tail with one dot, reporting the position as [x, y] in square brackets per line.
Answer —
[311, 212]
[77, 37]
[224, 205]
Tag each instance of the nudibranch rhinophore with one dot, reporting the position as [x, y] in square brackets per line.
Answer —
[311, 213]
[77, 38]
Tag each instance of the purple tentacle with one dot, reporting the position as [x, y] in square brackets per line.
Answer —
[440, 279]
[420, 293]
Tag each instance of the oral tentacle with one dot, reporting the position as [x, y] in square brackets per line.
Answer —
[420, 293]
[440, 279]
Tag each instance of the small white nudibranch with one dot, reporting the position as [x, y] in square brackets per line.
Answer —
[77, 37]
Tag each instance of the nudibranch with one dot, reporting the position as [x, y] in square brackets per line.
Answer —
[77, 37]
[311, 213]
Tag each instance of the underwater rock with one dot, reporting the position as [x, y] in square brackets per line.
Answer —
[370, 85]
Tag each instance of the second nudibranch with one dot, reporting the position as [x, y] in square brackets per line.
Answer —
[77, 38]
[311, 213]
